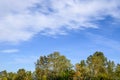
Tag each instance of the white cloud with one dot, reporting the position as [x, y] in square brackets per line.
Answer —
[9, 51]
[20, 20]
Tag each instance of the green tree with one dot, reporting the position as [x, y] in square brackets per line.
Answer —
[110, 69]
[117, 71]
[29, 75]
[97, 65]
[59, 64]
[11, 75]
[53, 66]
[81, 70]
[38, 73]
[21, 74]
[42, 65]
[3, 75]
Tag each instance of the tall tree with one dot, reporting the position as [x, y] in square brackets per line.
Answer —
[111, 69]
[42, 65]
[117, 71]
[29, 75]
[81, 70]
[54, 66]
[97, 64]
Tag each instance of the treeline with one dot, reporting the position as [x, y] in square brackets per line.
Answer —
[57, 67]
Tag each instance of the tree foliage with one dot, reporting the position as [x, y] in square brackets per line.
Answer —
[57, 67]
[53, 66]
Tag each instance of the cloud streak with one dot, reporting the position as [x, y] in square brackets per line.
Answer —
[26, 18]
[9, 51]
[102, 40]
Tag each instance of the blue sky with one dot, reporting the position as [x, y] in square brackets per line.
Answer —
[76, 28]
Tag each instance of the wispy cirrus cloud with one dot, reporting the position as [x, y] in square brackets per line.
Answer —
[26, 18]
[9, 51]
[104, 41]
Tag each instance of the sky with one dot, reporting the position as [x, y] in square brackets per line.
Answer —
[75, 28]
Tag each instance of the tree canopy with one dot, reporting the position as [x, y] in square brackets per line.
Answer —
[57, 67]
